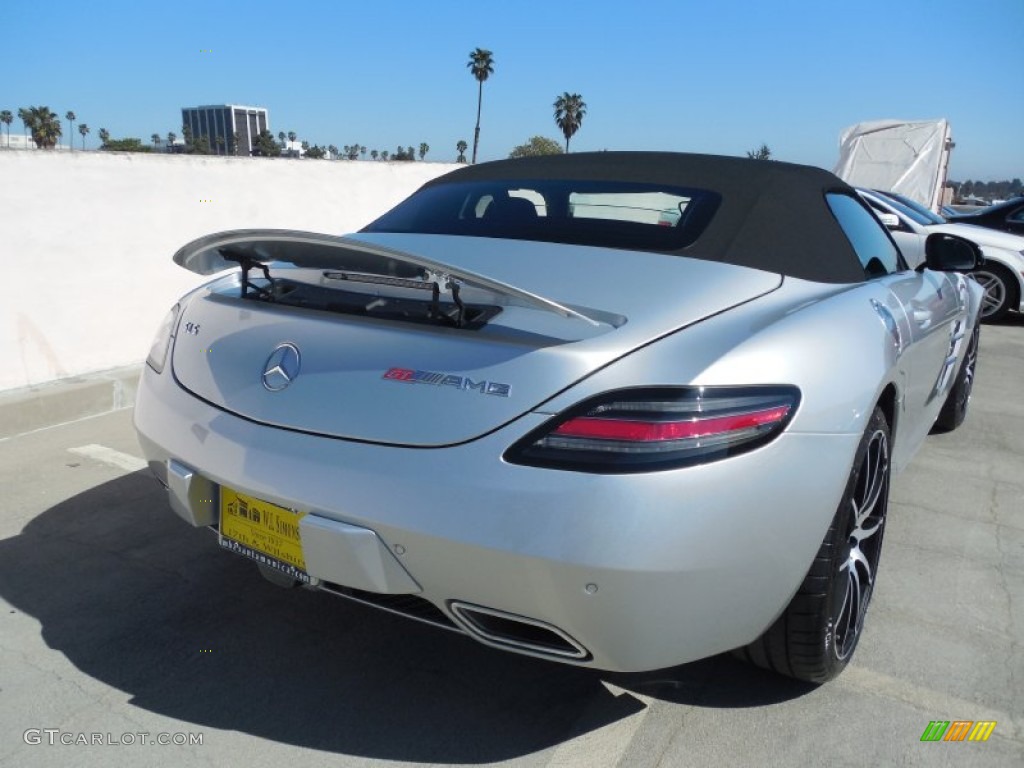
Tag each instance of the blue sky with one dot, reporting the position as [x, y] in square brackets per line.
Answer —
[718, 76]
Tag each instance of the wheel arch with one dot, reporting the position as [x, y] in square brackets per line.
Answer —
[887, 402]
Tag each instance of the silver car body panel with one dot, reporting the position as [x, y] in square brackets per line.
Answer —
[704, 558]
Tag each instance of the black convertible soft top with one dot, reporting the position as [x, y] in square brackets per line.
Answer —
[771, 215]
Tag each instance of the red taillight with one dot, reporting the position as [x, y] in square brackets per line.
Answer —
[642, 430]
[651, 431]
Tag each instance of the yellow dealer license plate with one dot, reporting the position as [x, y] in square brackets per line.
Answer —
[265, 532]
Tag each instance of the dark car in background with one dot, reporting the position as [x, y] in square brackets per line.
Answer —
[1006, 217]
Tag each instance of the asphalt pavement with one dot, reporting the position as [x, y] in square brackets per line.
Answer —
[122, 628]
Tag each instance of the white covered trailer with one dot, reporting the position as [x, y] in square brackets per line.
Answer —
[908, 157]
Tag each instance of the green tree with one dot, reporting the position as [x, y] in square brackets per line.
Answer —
[281, 137]
[6, 117]
[71, 117]
[104, 135]
[333, 150]
[316, 152]
[221, 143]
[200, 146]
[44, 124]
[374, 154]
[236, 143]
[424, 148]
[481, 66]
[461, 147]
[126, 145]
[761, 153]
[570, 110]
[265, 146]
[186, 135]
[536, 146]
[362, 152]
[156, 139]
[83, 129]
[171, 138]
[384, 155]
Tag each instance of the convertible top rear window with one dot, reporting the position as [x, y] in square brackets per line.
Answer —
[764, 215]
[613, 214]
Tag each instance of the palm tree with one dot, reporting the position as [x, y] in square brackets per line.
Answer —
[362, 152]
[281, 137]
[481, 66]
[384, 155]
[156, 139]
[424, 148]
[7, 118]
[104, 135]
[83, 129]
[171, 138]
[374, 154]
[462, 146]
[569, 112]
[45, 126]
[70, 117]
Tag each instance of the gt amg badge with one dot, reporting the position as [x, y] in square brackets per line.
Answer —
[281, 367]
[464, 383]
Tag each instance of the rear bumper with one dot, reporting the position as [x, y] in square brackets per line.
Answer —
[639, 571]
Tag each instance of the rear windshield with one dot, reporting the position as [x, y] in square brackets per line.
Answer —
[611, 214]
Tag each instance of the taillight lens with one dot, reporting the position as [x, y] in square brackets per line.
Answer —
[158, 351]
[645, 430]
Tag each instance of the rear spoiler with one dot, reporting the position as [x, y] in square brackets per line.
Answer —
[260, 248]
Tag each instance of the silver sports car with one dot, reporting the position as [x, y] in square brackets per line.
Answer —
[622, 410]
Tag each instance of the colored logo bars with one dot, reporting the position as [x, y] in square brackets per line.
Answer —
[958, 730]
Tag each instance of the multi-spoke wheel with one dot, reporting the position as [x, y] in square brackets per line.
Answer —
[1000, 290]
[863, 546]
[954, 410]
[816, 635]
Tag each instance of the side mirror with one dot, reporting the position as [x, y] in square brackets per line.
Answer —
[890, 220]
[949, 253]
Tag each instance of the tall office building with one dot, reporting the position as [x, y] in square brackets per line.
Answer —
[224, 121]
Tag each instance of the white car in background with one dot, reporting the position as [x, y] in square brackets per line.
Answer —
[1002, 274]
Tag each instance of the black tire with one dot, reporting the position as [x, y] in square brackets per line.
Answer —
[814, 638]
[1001, 291]
[954, 410]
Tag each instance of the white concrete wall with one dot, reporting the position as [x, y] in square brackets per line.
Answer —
[86, 240]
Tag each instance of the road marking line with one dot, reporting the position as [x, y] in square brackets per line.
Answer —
[109, 456]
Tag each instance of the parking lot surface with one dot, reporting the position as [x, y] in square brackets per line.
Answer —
[122, 627]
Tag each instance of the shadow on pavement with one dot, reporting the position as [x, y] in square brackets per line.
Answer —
[138, 600]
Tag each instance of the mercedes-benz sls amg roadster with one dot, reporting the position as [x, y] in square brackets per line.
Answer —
[622, 410]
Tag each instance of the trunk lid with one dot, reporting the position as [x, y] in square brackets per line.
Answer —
[565, 311]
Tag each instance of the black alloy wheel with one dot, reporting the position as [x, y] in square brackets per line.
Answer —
[817, 633]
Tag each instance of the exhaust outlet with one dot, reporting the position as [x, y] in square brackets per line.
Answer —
[518, 633]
